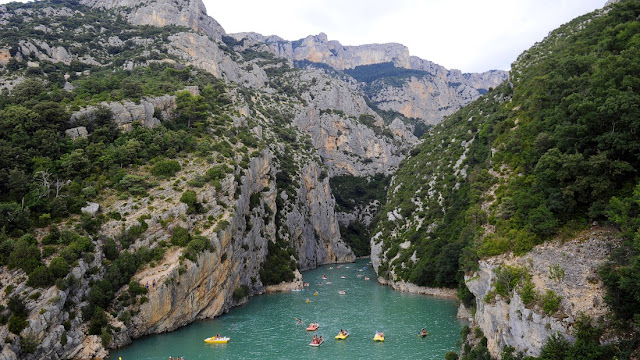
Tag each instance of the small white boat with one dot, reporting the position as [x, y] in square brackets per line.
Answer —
[342, 292]
[316, 344]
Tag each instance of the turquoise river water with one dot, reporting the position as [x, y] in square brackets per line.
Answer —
[266, 328]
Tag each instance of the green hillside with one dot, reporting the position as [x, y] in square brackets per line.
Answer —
[542, 155]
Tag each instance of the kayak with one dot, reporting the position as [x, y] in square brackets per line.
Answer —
[214, 340]
[312, 327]
[316, 344]
[378, 337]
[342, 336]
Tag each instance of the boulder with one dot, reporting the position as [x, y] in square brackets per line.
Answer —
[91, 209]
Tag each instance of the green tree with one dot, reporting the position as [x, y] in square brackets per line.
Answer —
[190, 108]
[58, 267]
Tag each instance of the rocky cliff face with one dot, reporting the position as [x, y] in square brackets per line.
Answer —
[347, 144]
[431, 97]
[182, 291]
[436, 95]
[191, 14]
[569, 270]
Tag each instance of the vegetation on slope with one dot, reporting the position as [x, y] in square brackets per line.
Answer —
[46, 177]
[541, 155]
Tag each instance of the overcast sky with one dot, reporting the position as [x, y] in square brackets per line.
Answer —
[470, 35]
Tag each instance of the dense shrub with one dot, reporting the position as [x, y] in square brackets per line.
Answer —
[240, 293]
[40, 277]
[180, 236]
[165, 168]
[279, 264]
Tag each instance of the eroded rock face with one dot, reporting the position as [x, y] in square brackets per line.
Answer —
[432, 97]
[200, 51]
[347, 145]
[44, 52]
[204, 289]
[190, 13]
[313, 224]
[440, 92]
[509, 322]
[126, 113]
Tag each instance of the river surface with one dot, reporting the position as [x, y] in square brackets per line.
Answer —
[266, 328]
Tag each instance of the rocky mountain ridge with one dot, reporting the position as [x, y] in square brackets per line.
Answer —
[430, 96]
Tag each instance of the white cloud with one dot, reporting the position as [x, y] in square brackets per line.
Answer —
[465, 34]
[470, 35]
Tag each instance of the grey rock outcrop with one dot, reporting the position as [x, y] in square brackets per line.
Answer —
[436, 95]
[44, 52]
[126, 113]
[188, 13]
[91, 209]
[509, 322]
[431, 97]
[201, 52]
[317, 48]
[346, 145]
[313, 224]
[77, 132]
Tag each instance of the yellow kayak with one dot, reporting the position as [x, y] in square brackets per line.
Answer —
[378, 337]
[342, 336]
[214, 340]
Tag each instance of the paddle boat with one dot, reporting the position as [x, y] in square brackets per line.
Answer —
[217, 340]
[315, 293]
[328, 283]
[313, 327]
[324, 277]
[306, 284]
[343, 277]
[366, 278]
[331, 268]
[312, 343]
[307, 301]
[342, 335]
[423, 333]
[379, 336]
[342, 292]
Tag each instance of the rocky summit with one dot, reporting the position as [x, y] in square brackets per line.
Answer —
[155, 171]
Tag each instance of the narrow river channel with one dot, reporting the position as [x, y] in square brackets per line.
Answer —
[266, 327]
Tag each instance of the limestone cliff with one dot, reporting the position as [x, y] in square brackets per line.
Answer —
[347, 144]
[569, 270]
[191, 14]
[436, 93]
